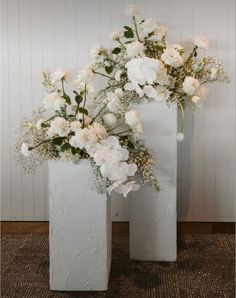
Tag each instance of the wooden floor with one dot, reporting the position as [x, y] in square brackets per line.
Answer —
[123, 227]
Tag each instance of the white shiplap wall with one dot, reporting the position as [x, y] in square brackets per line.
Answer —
[39, 34]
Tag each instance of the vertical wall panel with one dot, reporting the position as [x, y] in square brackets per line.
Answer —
[49, 34]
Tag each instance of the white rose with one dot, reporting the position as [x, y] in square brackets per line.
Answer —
[39, 123]
[190, 85]
[180, 137]
[142, 70]
[59, 75]
[84, 138]
[172, 57]
[132, 10]
[132, 118]
[110, 119]
[99, 130]
[201, 42]
[113, 103]
[86, 74]
[74, 125]
[149, 25]
[159, 33]
[135, 48]
[25, 149]
[59, 126]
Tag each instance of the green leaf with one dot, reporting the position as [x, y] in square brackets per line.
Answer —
[83, 111]
[129, 34]
[67, 98]
[65, 147]
[79, 99]
[109, 69]
[75, 150]
[128, 28]
[57, 141]
[116, 51]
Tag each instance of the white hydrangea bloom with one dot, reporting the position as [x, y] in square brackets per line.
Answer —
[132, 118]
[142, 70]
[100, 130]
[132, 10]
[134, 49]
[149, 25]
[172, 57]
[190, 85]
[201, 42]
[25, 149]
[59, 126]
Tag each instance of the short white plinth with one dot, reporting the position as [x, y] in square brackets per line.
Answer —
[80, 229]
[153, 215]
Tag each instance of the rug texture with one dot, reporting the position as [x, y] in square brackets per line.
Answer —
[204, 269]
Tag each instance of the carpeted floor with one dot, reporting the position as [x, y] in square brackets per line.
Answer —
[205, 268]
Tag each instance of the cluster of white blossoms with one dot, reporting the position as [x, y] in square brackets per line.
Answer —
[142, 65]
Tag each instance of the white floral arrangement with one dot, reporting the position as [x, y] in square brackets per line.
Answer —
[141, 66]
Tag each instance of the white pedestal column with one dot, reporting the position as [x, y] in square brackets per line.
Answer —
[80, 229]
[153, 215]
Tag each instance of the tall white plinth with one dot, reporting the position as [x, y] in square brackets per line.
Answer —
[80, 229]
[152, 215]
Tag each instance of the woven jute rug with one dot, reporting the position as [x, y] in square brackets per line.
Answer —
[204, 268]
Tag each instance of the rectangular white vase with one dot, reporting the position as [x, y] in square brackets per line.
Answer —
[80, 229]
[152, 215]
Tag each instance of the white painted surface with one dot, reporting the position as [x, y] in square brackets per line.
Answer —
[80, 230]
[58, 33]
[152, 215]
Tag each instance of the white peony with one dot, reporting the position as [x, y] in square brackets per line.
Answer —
[54, 101]
[180, 137]
[142, 71]
[110, 120]
[100, 131]
[201, 42]
[74, 125]
[149, 25]
[59, 126]
[95, 51]
[59, 75]
[39, 123]
[132, 118]
[25, 149]
[159, 33]
[159, 93]
[134, 49]
[113, 103]
[190, 85]
[86, 74]
[132, 10]
[84, 138]
[172, 57]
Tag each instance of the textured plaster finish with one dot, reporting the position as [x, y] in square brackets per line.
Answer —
[153, 215]
[80, 230]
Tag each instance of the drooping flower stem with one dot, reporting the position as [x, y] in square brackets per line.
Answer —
[98, 114]
[102, 74]
[85, 98]
[182, 116]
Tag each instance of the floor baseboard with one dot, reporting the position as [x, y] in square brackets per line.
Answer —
[24, 227]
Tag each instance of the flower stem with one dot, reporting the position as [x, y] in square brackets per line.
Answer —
[39, 144]
[123, 132]
[182, 116]
[123, 46]
[85, 98]
[102, 74]
[98, 114]
[136, 28]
